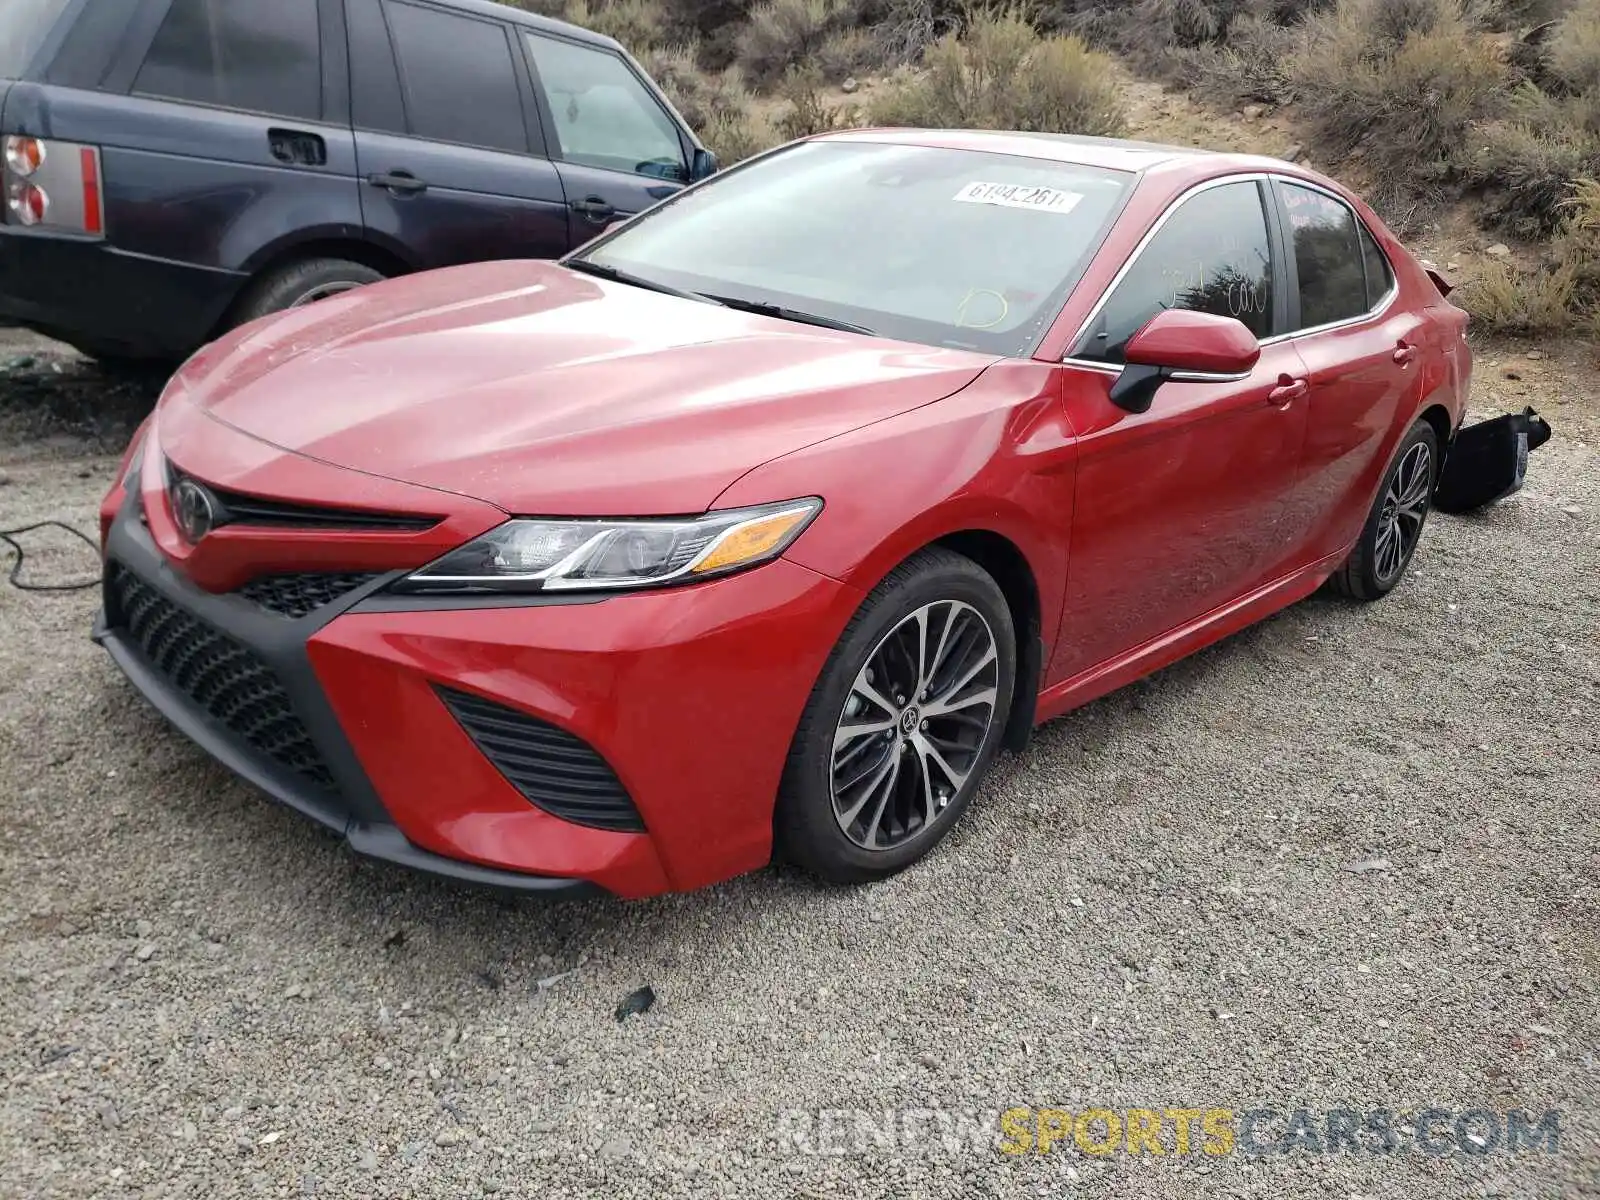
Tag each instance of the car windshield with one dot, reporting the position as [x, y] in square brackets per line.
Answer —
[23, 26]
[958, 248]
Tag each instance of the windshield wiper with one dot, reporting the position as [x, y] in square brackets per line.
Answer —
[767, 309]
[584, 267]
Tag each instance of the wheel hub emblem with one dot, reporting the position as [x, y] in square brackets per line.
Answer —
[192, 510]
[908, 721]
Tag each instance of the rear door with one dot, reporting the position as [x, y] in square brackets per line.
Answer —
[616, 146]
[448, 137]
[1360, 348]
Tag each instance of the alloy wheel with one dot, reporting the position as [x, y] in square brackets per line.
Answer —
[324, 291]
[1405, 507]
[914, 724]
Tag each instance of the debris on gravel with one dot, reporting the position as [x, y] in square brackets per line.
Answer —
[1344, 861]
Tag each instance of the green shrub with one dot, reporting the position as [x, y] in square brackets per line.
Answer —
[640, 25]
[782, 35]
[1504, 299]
[906, 28]
[713, 25]
[1256, 63]
[848, 52]
[1577, 246]
[1523, 167]
[698, 95]
[806, 112]
[1000, 74]
[1562, 293]
[735, 136]
[1572, 50]
[1389, 23]
[716, 104]
[1403, 82]
[1510, 16]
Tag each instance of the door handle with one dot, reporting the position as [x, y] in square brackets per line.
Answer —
[1404, 352]
[1288, 391]
[402, 182]
[297, 148]
[594, 210]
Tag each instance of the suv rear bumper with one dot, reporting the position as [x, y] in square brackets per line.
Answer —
[106, 301]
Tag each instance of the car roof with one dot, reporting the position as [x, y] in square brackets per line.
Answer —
[521, 16]
[1116, 154]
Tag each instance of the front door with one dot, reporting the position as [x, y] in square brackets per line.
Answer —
[616, 148]
[1181, 509]
[448, 141]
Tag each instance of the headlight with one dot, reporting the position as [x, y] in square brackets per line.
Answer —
[130, 475]
[526, 555]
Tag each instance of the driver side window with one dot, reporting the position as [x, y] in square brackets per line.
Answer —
[1212, 255]
[604, 117]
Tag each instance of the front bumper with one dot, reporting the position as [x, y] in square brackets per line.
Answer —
[690, 695]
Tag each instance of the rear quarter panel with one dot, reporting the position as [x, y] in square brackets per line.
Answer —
[197, 185]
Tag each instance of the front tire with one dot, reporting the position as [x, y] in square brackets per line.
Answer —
[1394, 525]
[902, 724]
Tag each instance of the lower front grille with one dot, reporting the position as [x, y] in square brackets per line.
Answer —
[225, 678]
[302, 593]
[553, 769]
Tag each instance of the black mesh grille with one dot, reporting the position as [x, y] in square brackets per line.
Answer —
[296, 595]
[219, 674]
[554, 769]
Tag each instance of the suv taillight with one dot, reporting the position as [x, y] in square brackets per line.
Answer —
[24, 155]
[51, 185]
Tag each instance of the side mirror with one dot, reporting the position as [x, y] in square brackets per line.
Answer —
[1179, 344]
[704, 165]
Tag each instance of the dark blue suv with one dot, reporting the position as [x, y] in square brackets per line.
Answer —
[173, 168]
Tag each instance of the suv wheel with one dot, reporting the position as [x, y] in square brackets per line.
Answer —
[302, 283]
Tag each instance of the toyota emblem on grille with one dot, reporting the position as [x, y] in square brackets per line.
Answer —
[193, 509]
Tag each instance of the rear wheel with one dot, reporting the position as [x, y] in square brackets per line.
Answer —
[1394, 525]
[300, 283]
[902, 724]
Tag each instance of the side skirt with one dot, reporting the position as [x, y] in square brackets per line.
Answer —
[1163, 651]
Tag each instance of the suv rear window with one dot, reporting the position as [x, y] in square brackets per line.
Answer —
[264, 58]
[24, 25]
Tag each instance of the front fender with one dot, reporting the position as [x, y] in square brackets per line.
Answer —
[996, 457]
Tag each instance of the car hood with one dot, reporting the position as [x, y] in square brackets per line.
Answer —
[548, 392]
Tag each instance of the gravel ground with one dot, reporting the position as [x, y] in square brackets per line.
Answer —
[1155, 906]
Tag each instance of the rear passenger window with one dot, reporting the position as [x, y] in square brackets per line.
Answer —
[458, 79]
[1327, 255]
[1380, 277]
[1212, 255]
[264, 58]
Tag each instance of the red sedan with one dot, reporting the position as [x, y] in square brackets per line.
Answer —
[764, 521]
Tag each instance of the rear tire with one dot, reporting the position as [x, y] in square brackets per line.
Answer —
[1393, 528]
[872, 785]
[299, 283]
